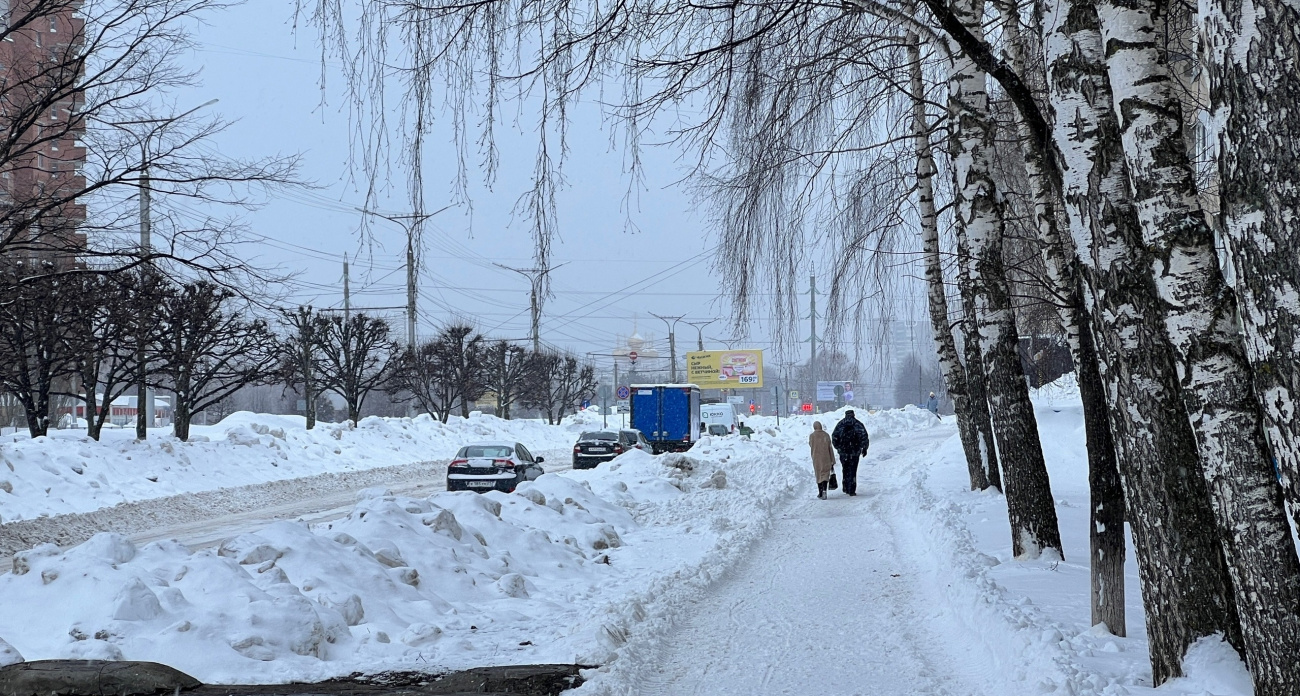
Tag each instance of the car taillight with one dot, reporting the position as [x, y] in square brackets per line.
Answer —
[576, 449]
[618, 449]
[460, 463]
[504, 463]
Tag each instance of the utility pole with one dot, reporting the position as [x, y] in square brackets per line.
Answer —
[812, 336]
[347, 294]
[412, 230]
[672, 343]
[535, 277]
[143, 404]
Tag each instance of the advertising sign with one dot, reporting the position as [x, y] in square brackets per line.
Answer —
[833, 391]
[725, 369]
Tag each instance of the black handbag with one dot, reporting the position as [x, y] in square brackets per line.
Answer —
[834, 484]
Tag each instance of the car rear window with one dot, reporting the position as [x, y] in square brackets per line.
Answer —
[598, 436]
[487, 451]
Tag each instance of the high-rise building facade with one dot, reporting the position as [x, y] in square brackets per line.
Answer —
[41, 155]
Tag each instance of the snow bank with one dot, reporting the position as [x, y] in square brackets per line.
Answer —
[584, 566]
[1029, 621]
[70, 473]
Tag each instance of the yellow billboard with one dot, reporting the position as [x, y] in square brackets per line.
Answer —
[725, 369]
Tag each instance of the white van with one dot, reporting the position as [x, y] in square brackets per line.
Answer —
[719, 419]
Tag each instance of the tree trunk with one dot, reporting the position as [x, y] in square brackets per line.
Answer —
[309, 392]
[954, 376]
[1200, 314]
[94, 424]
[976, 379]
[1106, 531]
[1030, 506]
[1253, 89]
[1185, 589]
[38, 424]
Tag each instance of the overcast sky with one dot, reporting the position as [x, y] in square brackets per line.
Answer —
[267, 79]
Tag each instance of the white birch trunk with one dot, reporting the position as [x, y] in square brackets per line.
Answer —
[1106, 528]
[1185, 590]
[1030, 505]
[954, 375]
[1200, 315]
[1251, 61]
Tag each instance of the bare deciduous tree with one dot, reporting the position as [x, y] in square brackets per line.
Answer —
[300, 355]
[207, 349]
[357, 355]
[507, 369]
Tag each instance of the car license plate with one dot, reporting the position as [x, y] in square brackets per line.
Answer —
[481, 484]
[602, 450]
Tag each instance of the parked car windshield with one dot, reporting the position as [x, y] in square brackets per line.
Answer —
[489, 451]
[598, 436]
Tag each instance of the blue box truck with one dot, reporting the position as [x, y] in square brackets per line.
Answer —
[667, 414]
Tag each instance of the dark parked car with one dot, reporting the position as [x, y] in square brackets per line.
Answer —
[492, 466]
[599, 446]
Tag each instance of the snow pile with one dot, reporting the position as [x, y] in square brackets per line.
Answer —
[567, 569]
[1030, 619]
[70, 473]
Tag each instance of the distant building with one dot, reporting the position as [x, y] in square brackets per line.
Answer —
[41, 173]
[123, 409]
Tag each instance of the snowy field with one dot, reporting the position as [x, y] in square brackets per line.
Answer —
[70, 473]
[712, 573]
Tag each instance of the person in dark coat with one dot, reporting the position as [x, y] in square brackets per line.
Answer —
[851, 441]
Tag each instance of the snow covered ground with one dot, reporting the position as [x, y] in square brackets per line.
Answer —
[70, 473]
[715, 573]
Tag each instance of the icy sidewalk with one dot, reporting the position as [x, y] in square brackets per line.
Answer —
[829, 602]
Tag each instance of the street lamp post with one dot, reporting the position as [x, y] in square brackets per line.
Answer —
[699, 331]
[416, 219]
[672, 342]
[144, 402]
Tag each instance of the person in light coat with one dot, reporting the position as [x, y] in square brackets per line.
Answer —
[823, 456]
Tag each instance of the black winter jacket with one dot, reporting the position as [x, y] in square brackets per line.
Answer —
[850, 437]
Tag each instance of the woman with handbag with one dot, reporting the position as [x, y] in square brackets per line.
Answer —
[823, 456]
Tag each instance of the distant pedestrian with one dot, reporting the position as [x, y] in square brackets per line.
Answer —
[851, 441]
[823, 456]
[933, 404]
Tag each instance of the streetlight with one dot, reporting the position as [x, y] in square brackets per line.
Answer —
[416, 219]
[699, 331]
[672, 342]
[144, 403]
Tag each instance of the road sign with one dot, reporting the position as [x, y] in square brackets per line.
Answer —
[794, 395]
[631, 356]
[603, 392]
[624, 393]
[737, 400]
[586, 403]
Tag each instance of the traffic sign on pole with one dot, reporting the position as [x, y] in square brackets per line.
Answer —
[631, 356]
[624, 393]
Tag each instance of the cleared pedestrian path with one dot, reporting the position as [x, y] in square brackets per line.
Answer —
[826, 604]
